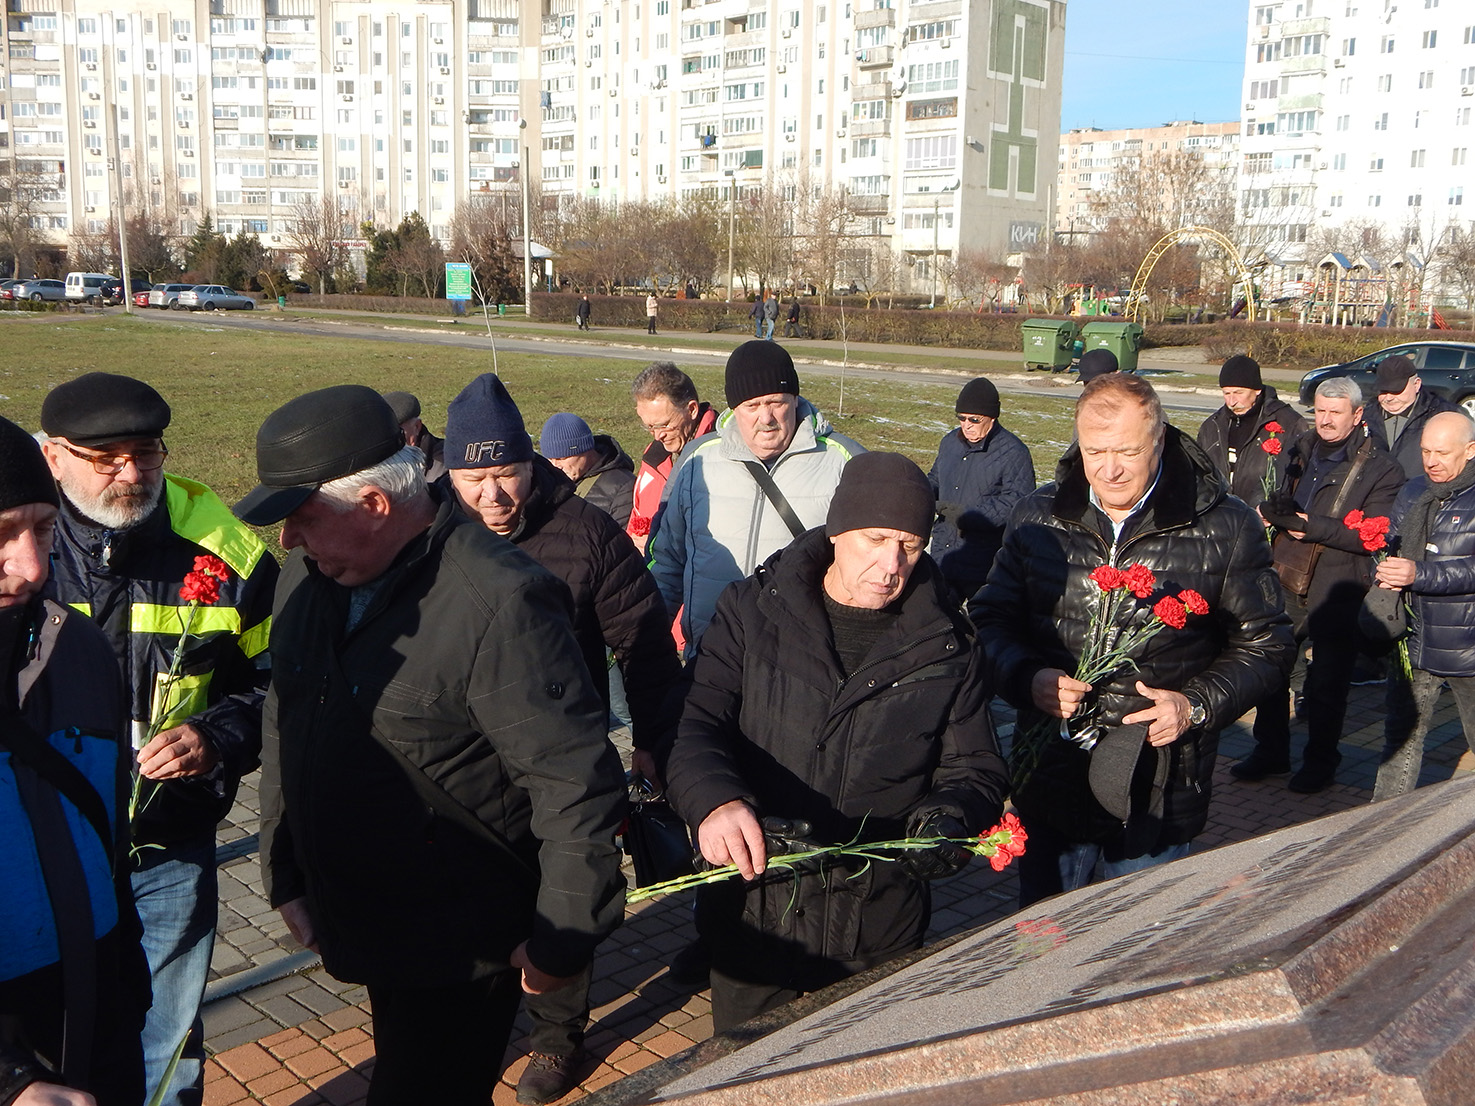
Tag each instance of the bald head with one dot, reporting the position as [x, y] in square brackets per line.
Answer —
[1447, 446]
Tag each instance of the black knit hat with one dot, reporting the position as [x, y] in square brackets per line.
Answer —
[484, 428]
[759, 368]
[24, 477]
[1094, 363]
[315, 438]
[1241, 371]
[884, 490]
[98, 408]
[978, 397]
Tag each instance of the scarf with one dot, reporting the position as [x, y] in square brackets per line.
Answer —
[1420, 518]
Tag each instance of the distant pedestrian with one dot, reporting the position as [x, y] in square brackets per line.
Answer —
[651, 306]
[581, 313]
[791, 321]
[770, 316]
[756, 314]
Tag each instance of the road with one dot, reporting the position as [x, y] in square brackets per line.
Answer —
[472, 334]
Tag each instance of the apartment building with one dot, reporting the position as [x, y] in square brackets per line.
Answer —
[938, 117]
[1361, 114]
[1093, 162]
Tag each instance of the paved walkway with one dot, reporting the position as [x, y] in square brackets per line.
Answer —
[305, 1037]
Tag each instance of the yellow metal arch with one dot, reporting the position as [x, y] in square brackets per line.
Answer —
[1138, 295]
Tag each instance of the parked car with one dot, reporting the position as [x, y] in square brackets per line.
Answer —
[213, 297]
[88, 287]
[141, 299]
[301, 287]
[112, 292]
[38, 290]
[167, 295]
[5, 289]
[1445, 367]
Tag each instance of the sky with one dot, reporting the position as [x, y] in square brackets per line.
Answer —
[1140, 63]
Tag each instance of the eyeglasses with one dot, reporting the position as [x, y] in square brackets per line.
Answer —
[110, 464]
[971, 420]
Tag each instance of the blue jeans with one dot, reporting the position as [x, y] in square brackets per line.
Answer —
[768, 330]
[1410, 713]
[1052, 865]
[176, 890]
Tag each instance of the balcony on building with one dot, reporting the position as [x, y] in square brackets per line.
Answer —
[876, 17]
[876, 57]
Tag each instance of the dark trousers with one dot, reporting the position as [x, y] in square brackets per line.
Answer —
[441, 1044]
[1410, 710]
[734, 1001]
[650, 324]
[1331, 628]
[560, 1017]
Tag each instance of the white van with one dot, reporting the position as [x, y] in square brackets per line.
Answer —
[86, 287]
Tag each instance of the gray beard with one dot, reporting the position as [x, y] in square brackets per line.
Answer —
[112, 511]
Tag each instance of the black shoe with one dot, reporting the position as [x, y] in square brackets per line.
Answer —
[548, 1078]
[1309, 780]
[691, 966]
[1257, 766]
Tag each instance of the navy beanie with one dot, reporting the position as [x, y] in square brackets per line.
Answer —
[484, 428]
[24, 475]
[565, 435]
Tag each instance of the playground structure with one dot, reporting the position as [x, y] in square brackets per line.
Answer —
[1137, 298]
[1368, 292]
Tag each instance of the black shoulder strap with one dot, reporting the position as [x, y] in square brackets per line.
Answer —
[776, 497]
[21, 738]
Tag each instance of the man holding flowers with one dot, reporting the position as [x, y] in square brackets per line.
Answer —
[1245, 437]
[1131, 614]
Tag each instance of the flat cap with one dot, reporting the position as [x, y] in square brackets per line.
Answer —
[98, 408]
[405, 405]
[1394, 373]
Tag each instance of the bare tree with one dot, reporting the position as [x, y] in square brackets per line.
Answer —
[481, 236]
[417, 257]
[823, 219]
[319, 228]
[151, 246]
[24, 186]
[687, 244]
[1457, 263]
[95, 251]
[767, 229]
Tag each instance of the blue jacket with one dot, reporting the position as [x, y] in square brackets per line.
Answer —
[977, 485]
[1443, 640]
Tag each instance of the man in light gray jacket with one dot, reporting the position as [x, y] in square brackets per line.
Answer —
[718, 521]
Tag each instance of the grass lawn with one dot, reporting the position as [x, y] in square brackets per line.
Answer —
[223, 382]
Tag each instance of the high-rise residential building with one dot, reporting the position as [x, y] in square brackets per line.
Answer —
[1359, 116]
[1095, 165]
[939, 118]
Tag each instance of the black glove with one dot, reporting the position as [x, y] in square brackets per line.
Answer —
[942, 860]
[785, 835]
[1280, 510]
[947, 510]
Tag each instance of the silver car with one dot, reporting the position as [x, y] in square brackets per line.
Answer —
[38, 290]
[167, 295]
[215, 297]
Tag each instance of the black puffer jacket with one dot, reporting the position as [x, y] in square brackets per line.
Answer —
[1408, 450]
[616, 603]
[1345, 569]
[1248, 479]
[1035, 609]
[771, 718]
[462, 670]
[610, 484]
[1443, 590]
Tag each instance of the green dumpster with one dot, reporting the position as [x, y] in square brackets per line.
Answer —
[1121, 338]
[1048, 343]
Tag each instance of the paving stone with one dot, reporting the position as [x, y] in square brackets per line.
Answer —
[226, 1014]
[247, 1062]
[318, 1000]
[251, 1031]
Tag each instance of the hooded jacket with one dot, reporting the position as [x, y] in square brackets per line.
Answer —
[977, 485]
[438, 781]
[1408, 450]
[1443, 638]
[610, 484]
[1248, 478]
[1036, 608]
[128, 582]
[717, 526]
[616, 604]
[772, 718]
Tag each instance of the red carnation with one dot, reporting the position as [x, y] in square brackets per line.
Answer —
[1108, 578]
[1373, 542]
[1171, 612]
[200, 587]
[1017, 837]
[1271, 446]
[1353, 519]
[639, 526]
[1140, 579]
[1195, 602]
[212, 566]
[1273, 427]
[1375, 524]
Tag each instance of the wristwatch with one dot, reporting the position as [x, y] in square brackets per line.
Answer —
[1197, 715]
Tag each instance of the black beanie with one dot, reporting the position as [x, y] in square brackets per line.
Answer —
[1094, 363]
[883, 490]
[978, 397]
[759, 368]
[484, 428]
[24, 476]
[1241, 371]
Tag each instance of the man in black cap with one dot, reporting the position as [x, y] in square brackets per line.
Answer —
[809, 715]
[981, 472]
[1403, 409]
[73, 981]
[764, 477]
[1237, 437]
[1094, 363]
[126, 537]
[439, 797]
[406, 408]
[500, 482]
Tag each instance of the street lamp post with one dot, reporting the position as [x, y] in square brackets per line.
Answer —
[527, 230]
[936, 201]
[731, 175]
